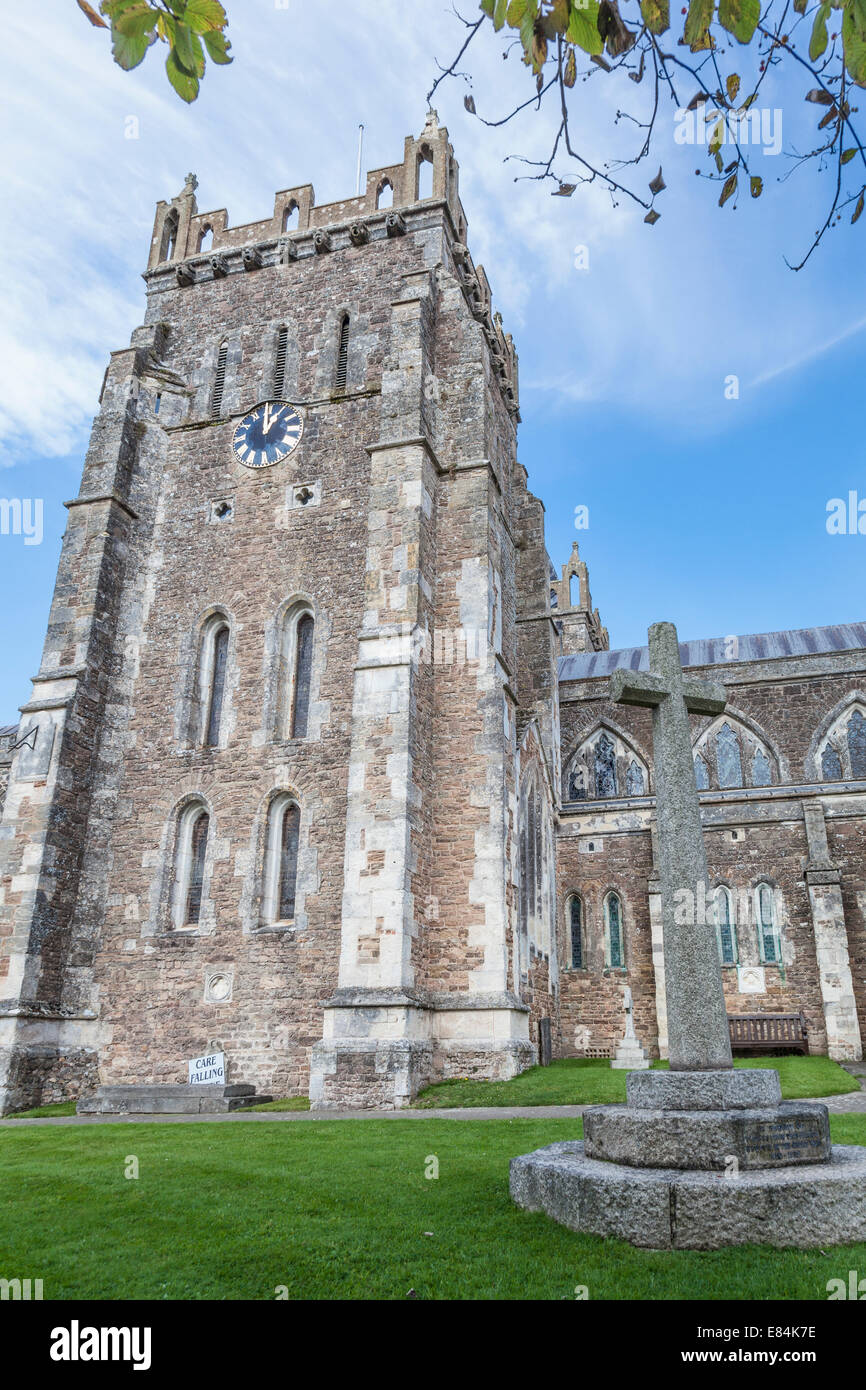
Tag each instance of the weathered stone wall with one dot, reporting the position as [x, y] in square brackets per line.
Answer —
[402, 547]
[753, 834]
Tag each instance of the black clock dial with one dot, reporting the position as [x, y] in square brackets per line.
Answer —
[268, 434]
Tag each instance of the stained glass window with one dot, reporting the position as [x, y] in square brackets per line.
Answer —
[857, 744]
[576, 785]
[605, 767]
[728, 762]
[613, 909]
[575, 912]
[767, 924]
[702, 774]
[634, 783]
[288, 863]
[727, 953]
[303, 674]
[218, 685]
[761, 776]
[198, 850]
[831, 764]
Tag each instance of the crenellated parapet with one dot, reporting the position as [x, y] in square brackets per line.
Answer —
[189, 247]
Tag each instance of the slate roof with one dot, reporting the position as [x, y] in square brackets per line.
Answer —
[7, 729]
[712, 651]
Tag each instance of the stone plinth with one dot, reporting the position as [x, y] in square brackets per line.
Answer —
[704, 1090]
[169, 1100]
[630, 1056]
[774, 1137]
[669, 1209]
[700, 1160]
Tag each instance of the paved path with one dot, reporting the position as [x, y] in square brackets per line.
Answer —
[853, 1104]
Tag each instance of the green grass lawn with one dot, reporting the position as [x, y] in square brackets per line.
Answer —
[289, 1103]
[338, 1209]
[45, 1112]
[578, 1081]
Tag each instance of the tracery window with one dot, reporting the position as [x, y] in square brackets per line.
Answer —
[613, 940]
[768, 927]
[728, 762]
[575, 927]
[605, 767]
[725, 927]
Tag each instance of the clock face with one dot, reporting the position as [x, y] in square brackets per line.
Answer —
[268, 434]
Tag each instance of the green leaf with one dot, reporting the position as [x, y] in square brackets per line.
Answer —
[656, 15]
[555, 20]
[717, 136]
[569, 76]
[133, 23]
[698, 21]
[187, 50]
[583, 28]
[113, 8]
[487, 7]
[732, 86]
[517, 10]
[859, 207]
[855, 49]
[184, 84]
[819, 40]
[204, 15]
[756, 186]
[740, 18]
[800, 6]
[729, 188]
[500, 8]
[128, 49]
[847, 155]
[217, 46]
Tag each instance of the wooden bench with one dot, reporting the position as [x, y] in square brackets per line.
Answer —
[768, 1032]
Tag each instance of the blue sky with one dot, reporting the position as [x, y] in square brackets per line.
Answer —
[703, 510]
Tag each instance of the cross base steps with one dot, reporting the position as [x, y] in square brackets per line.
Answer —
[668, 1209]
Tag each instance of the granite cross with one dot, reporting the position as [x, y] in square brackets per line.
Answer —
[698, 1035]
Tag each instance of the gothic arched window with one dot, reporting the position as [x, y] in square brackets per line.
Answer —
[613, 941]
[302, 675]
[216, 651]
[728, 762]
[702, 774]
[189, 865]
[605, 767]
[725, 928]
[385, 194]
[761, 775]
[575, 928]
[169, 236]
[831, 764]
[219, 382]
[634, 779]
[281, 860]
[295, 673]
[343, 353]
[768, 927]
[291, 217]
[279, 381]
[857, 744]
[424, 175]
[576, 785]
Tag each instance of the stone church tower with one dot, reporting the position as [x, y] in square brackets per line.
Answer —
[300, 660]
